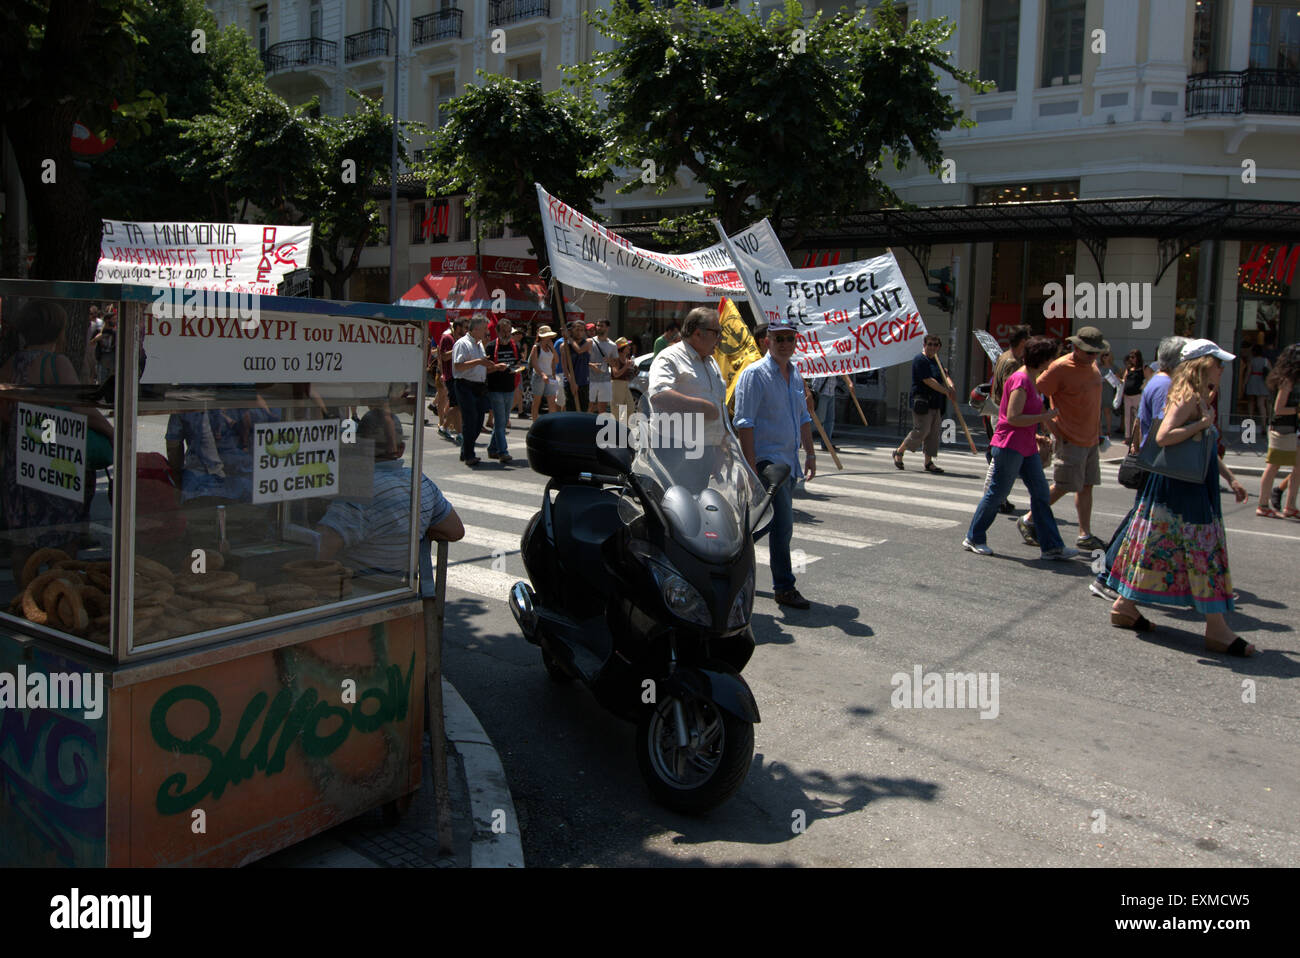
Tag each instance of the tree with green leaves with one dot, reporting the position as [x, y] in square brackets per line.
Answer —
[503, 136]
[788, 118]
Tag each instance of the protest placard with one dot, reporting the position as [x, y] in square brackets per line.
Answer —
[587, 255]
[51, 451]
[850, 317]
[234, 257]
[991, 347]
[295, 460]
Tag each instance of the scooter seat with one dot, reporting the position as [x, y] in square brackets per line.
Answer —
[584, 517]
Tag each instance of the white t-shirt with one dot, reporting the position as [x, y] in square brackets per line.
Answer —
[467, 348]
[680, 368]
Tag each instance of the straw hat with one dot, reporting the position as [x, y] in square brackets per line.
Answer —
[622, 341]
[544, 332]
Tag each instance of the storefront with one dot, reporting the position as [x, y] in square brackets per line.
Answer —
[223, 659]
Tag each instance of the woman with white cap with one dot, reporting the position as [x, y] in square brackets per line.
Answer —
[545, 380]
[1175, 550]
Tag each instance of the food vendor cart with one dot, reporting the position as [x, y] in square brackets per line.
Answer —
[227, 655]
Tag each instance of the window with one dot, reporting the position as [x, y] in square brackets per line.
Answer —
[1275, 35]
[1000, 43]
[529, 68]
[1205, 37]
[462, 222]
[444, 92]
[263, 29]
[1063, 42]
[418, 224]
[315, 20]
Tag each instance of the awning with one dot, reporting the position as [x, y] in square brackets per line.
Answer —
[504, 286]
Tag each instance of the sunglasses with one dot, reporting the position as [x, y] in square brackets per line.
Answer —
[783, 338]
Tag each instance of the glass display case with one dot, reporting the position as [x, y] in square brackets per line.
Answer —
[274, 445]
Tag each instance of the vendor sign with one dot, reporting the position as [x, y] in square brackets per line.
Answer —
[52, 451]
[585, 254]
[235, 257]
[295, 460]
[850, 317]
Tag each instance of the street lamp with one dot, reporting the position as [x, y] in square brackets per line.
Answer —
[392, 170]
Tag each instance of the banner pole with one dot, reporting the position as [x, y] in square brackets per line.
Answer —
[849, 382]
[956, 411]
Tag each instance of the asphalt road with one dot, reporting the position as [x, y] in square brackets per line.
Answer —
[1107, 748]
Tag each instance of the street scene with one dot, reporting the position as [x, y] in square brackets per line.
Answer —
[557, 434]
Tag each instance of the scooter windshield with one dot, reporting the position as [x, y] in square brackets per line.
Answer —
[693, 466]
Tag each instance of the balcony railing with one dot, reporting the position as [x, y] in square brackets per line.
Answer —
[436, 26]
[1247, 91]
[508, 11]
[368, 43]
[300, 53]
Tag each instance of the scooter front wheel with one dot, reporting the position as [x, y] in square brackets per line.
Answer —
[705, 772]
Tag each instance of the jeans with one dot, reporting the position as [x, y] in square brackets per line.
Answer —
[826, 413]
[472, 410]
[779, 535]
[1007, 464]
[500, 405]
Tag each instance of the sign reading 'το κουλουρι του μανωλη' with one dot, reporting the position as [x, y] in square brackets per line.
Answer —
[51, 451]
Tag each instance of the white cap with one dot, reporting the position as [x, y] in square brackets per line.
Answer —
[1196, 348]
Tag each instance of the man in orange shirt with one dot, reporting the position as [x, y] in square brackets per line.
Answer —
[1073, 384]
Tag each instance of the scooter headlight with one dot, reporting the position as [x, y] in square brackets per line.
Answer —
[682, 598]
[744, 604]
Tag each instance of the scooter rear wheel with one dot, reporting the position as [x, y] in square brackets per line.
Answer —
[704, 773]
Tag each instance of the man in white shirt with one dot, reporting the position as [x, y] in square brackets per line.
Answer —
[469, 367]
[603, 352]
[684, 380]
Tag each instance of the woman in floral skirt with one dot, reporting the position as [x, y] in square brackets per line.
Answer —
[1175, 552]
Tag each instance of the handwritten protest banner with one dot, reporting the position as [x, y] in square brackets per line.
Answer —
[51, 451]
[220, 346]
[850, 317]
[235, 257]
[991, 347]
[295, 460]
[585, 254]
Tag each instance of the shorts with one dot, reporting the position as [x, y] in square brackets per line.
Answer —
[1281, 448]
[548, 390]
[1076, 466]
[602, 392]
[451, 393]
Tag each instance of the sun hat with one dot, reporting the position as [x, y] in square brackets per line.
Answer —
[1090, 340]
[1197, 348]
[544, 332]
[622, 341]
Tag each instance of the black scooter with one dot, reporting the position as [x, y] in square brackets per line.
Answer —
[642, 572]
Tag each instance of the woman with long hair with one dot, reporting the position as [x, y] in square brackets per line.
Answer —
[1284, 379]
[1175, 552]
[545, 377]
[1136, 374]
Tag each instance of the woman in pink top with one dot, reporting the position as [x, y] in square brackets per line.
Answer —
[1015, 453]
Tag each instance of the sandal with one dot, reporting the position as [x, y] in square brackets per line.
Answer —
[1291, 513]
[898, 460]
[1139, 624]
[931, 467]
[1236, 648]
[1268, 512]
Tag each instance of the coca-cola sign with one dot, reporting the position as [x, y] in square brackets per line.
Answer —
[509, 264]
[452, 264]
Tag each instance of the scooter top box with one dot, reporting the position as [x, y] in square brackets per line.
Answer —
[563, 444]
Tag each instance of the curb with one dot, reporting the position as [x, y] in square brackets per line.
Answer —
[489, 792]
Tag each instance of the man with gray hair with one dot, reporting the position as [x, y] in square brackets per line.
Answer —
[1150, 408]
[470, 365]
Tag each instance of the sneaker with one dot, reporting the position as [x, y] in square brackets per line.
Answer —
[1275, 497]
[1065, 552]
[1026, 532]
[442, 431]
[503, 458]
[792, 598]
[472, 462]
[978, 548]
[1101, 592]
[1090, 543]
[1007, 509]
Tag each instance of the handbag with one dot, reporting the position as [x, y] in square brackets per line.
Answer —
[1187, 461]
[1131, 473]
[920, 405]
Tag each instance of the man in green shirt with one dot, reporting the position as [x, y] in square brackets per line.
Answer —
[671, 335]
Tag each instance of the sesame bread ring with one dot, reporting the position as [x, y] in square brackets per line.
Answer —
[147, 613]
[183, 603]
[229, 592]
[34, 595]
[63, 606]
[101, 622]
[313, 566]
[216, 618]
[286, 591]
[95, 601]
[154, 570]
[197, 586]
[100, 580]
[213, 561]
[32, 567]
[152, 593]
[75, 565]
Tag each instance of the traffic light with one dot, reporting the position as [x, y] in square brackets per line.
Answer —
[942, 289]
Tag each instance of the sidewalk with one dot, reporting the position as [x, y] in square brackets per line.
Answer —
[480, 796]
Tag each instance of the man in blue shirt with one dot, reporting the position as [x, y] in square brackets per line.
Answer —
[772, 421]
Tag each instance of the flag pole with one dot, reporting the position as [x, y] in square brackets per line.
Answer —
[849, 382]
[956, 411]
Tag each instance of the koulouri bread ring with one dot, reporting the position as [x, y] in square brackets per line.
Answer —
[32, 567]
[155, 570]
[216, 618]
[199, 585]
